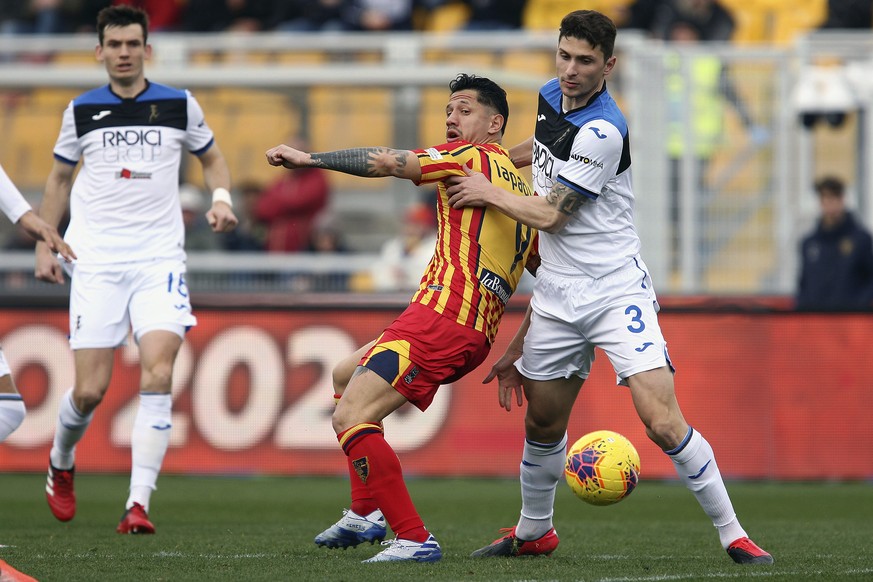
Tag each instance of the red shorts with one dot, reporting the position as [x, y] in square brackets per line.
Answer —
[421, 350]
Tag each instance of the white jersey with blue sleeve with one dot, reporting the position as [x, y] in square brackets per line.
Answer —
[588, 150]
[124, 204]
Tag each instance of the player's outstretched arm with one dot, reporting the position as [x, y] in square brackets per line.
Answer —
[522, 154]
[372, 162]
[51, 209]
[509, 379]
[216, 174]
[43, 231]
[548, 213]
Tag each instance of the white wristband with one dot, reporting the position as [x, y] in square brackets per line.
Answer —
[222, 195]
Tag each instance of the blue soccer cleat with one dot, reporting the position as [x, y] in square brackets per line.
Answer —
[353, 530]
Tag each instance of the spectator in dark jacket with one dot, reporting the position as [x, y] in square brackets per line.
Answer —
[836, 271]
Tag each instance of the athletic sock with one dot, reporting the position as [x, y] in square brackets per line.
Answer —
[376, 465]
[12, 413]
[148, 445]
[542, 465]
[695, 464]
[70, 429]
[362, 502]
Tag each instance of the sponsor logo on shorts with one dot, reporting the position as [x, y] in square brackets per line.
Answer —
[408, 378]
[496, 284]
[644, 347]
[435, 287]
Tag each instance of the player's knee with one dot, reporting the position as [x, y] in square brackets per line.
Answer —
[87, 399]
[157, 378]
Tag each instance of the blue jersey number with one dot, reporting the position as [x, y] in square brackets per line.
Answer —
[636, 314]
[180, 286]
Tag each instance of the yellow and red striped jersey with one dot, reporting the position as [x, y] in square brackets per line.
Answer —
[480, 253]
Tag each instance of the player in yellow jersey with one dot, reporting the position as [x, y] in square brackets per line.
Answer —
[451, 322]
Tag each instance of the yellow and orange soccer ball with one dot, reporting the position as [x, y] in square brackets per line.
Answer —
[602, 467]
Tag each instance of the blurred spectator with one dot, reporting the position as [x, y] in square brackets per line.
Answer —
[289, 205]
[404, 258]
[378, 15]
[326, 237]
[164, 15]
[227, 15]
[250, 235]
[488, 14]
[31, 16]
[308, 15]
[836, 258]
[849, 14]
[697, 89]
[711, 19]
[198, 233]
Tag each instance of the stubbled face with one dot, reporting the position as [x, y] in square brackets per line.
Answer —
[581, 70]
[124, 53]
[833, 207]
[469, 120]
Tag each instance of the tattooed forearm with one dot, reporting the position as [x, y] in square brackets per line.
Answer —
[370, 162]
[565, 199]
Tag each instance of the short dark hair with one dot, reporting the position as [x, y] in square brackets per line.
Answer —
[489, 93]
[122, 15]
[592, 26]
[830, 184]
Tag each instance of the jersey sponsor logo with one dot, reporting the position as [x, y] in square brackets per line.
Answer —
[434, 153]
[596, 131]
[132, 145]
[496, 284]
[586, 160]
[541, 117]
[125, 174]
[101, 115]
[543, 165]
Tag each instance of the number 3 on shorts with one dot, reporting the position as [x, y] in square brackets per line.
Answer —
[636, 314]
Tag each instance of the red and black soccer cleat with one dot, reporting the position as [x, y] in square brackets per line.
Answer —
[510, 545]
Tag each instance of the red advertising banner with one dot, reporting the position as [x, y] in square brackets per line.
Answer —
[778, 395]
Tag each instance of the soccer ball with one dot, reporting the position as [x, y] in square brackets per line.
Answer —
[602, 468]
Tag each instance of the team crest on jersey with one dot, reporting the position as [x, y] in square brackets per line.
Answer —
[362, 468]
[125, 174]
[153, 113]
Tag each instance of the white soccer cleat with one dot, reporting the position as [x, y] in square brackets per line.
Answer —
[353, 529]
[408, 551]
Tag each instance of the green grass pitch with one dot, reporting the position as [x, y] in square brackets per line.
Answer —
[261, 528]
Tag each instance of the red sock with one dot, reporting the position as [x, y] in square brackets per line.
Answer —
[362, 502]
[376, 466]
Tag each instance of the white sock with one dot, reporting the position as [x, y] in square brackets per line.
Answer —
[12, 413]
[695, 464]
[542, 465]
[70, 429]
[148, 445]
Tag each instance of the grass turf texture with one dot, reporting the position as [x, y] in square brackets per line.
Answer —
[262, 529]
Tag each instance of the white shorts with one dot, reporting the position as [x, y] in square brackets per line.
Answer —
[106, 301]
[572, 314]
